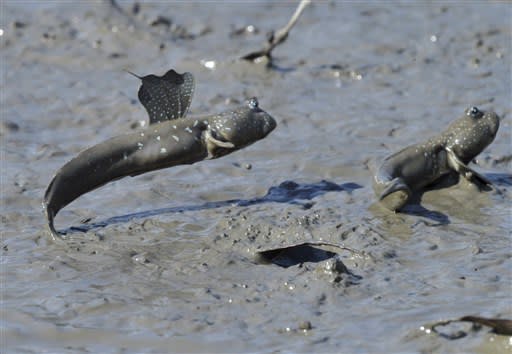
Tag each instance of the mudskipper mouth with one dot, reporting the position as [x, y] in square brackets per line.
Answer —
[270, 125]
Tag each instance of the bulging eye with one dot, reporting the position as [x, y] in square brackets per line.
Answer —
[252, 103]
[474, 112]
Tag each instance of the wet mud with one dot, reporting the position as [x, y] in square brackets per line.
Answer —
[178, 260]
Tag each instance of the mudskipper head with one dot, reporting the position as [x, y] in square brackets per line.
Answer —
[242, 126]
[472, 133]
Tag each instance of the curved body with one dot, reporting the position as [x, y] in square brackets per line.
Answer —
[161, 145]
[417, 166]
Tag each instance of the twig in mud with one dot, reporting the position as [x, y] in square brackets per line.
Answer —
[116, 6]
[498, 325]
[278, 37]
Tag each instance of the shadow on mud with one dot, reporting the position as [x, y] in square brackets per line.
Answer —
[287, 192]
[500, 179]
[293, 255]
[415, 208]
[313, 252]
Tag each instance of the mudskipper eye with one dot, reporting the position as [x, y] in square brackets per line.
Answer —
[252, 103]
[474, 112]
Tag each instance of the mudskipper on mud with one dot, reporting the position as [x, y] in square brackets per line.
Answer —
[419, 165]
[171, 139]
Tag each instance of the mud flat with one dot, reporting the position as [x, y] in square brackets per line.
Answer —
[169, 260]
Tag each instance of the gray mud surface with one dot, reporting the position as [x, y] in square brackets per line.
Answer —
[168, 262]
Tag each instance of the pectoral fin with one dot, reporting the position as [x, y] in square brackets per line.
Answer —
[395, 195]
[464, 170]
[212, 144]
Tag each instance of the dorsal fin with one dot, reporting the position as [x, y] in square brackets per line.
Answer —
[166, 97]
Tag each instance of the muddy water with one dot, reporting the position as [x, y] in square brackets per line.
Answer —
[168, 260]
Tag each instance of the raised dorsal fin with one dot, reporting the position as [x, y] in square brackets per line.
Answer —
[166, 97]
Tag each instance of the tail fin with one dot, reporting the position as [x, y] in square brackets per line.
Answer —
[50, 215]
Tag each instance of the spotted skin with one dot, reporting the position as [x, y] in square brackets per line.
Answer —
[419, 165]
[166, 97]
[164, 144]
